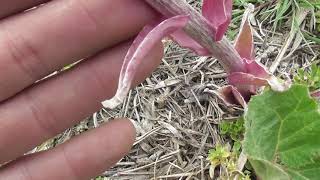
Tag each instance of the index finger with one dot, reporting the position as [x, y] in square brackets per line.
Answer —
[46, 39]
[9, 7]
[58, 103]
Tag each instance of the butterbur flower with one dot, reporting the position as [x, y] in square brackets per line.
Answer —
[244, 81]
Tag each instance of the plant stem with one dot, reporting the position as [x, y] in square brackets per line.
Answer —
[200, 30]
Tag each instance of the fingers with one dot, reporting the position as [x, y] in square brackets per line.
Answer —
[60, 102]
[82, 157]
[36, 43]
[8, 7]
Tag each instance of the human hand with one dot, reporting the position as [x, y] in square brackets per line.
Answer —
[37, 42]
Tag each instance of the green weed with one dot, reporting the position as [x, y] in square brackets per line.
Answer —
[309, 77]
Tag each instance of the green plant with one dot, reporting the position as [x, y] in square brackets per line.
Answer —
[282, 135]
[227, 160]
[100, 178]
[309, 77]
[318, 19]
[287, 8]
[235, 130]
[218, 155]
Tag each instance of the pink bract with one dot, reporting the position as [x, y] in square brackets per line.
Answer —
[186, 41]
[255, 75]
[143, 43]
[218, 13]
[231, 95]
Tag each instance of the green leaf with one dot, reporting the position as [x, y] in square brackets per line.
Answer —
[282, 139]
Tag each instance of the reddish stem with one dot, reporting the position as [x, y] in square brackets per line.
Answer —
[199, 29]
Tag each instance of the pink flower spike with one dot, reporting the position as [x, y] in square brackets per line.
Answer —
[186, 41]
[218, 13]
[244, 42]
[230, 95]
[143, 43]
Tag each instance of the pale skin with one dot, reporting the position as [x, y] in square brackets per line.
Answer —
[37, 42]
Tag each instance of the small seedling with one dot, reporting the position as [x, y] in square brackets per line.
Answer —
[310, 78]
[235, 130]
[227, 160]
